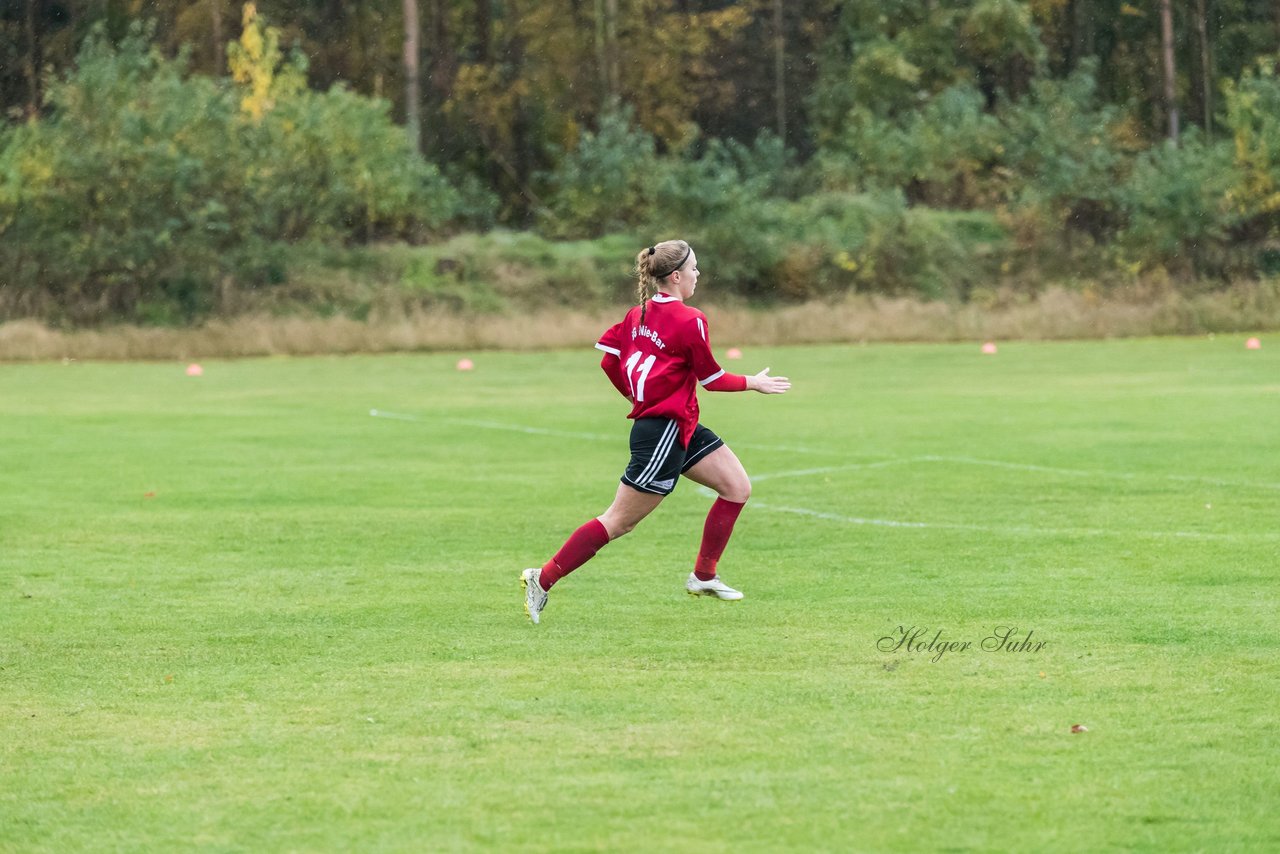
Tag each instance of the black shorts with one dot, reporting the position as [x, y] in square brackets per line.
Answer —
[657, 460]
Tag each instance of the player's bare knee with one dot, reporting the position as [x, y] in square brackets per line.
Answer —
[615, 526]
[738, 491]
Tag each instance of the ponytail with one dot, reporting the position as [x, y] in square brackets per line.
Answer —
[654, 264]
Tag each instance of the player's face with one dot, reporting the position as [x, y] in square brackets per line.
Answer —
[685, 280]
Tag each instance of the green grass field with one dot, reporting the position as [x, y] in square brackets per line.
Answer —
[238, 613]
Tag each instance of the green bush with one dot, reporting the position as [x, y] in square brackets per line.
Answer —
[1175, 205]
[729, 201]
[1055, 150]
[1253, 120]
[495, 271]
[832, 243]
[334, 166]
[604, 183]
[614, 179]
[504, 269]
[1061, 153]
[941, 154]
[146, 189]
[877, 243]
[116, 203]
[728, 196]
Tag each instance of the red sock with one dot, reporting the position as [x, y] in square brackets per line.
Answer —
[581, 546]
[715, 536]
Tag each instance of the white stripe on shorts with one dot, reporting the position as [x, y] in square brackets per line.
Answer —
[702, 452]
[660, 454]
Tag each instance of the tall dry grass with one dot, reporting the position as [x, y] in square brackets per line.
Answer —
[1055, 314]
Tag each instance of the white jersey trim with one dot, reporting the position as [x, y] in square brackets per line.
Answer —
[617, 353]
[666, 298]
[717, 375]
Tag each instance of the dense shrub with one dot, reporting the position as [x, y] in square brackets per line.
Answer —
[1063, 153]
[878, 243]
[1253, 120]
[940, 155]
[148, 193]
[146, 188]
[1175, 207]
[1211, 208]
[761, 225]
[828, 243]
[117, 202]
[731, 201]
[604, 183]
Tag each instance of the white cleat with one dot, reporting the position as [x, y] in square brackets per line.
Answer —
[535, 598]
[715, 587]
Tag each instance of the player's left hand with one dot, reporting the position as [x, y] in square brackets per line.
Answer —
[766, 384]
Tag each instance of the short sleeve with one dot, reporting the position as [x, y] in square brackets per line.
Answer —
[705, 367]
[611, 340]
[611, 343]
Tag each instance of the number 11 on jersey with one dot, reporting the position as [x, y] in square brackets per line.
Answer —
[637, 390]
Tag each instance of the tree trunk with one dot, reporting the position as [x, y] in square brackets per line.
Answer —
[484, 30]
[219, 49]
[602, 57]
[412, 98]
[1170, 81]
[442, 57]
[1206, 66]
[611, 45]
[514, 53]
[1083, 29]
[780, 69]
[31, 66]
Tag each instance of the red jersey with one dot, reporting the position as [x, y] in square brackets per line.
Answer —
[659, 364]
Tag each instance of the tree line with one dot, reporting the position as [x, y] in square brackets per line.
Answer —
[915, 145]
[500, 85]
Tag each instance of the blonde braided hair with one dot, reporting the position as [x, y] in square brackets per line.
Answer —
[654, 265]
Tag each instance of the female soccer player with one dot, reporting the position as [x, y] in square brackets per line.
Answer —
[657, 357]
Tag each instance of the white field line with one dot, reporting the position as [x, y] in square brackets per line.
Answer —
[1097, 473]
[756, 478]
[1191, 478]
[893, 523]
[1022, 530]
[497, 425]
[568, 434]
[789, 449]
[1019, 530]
[929, 458]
